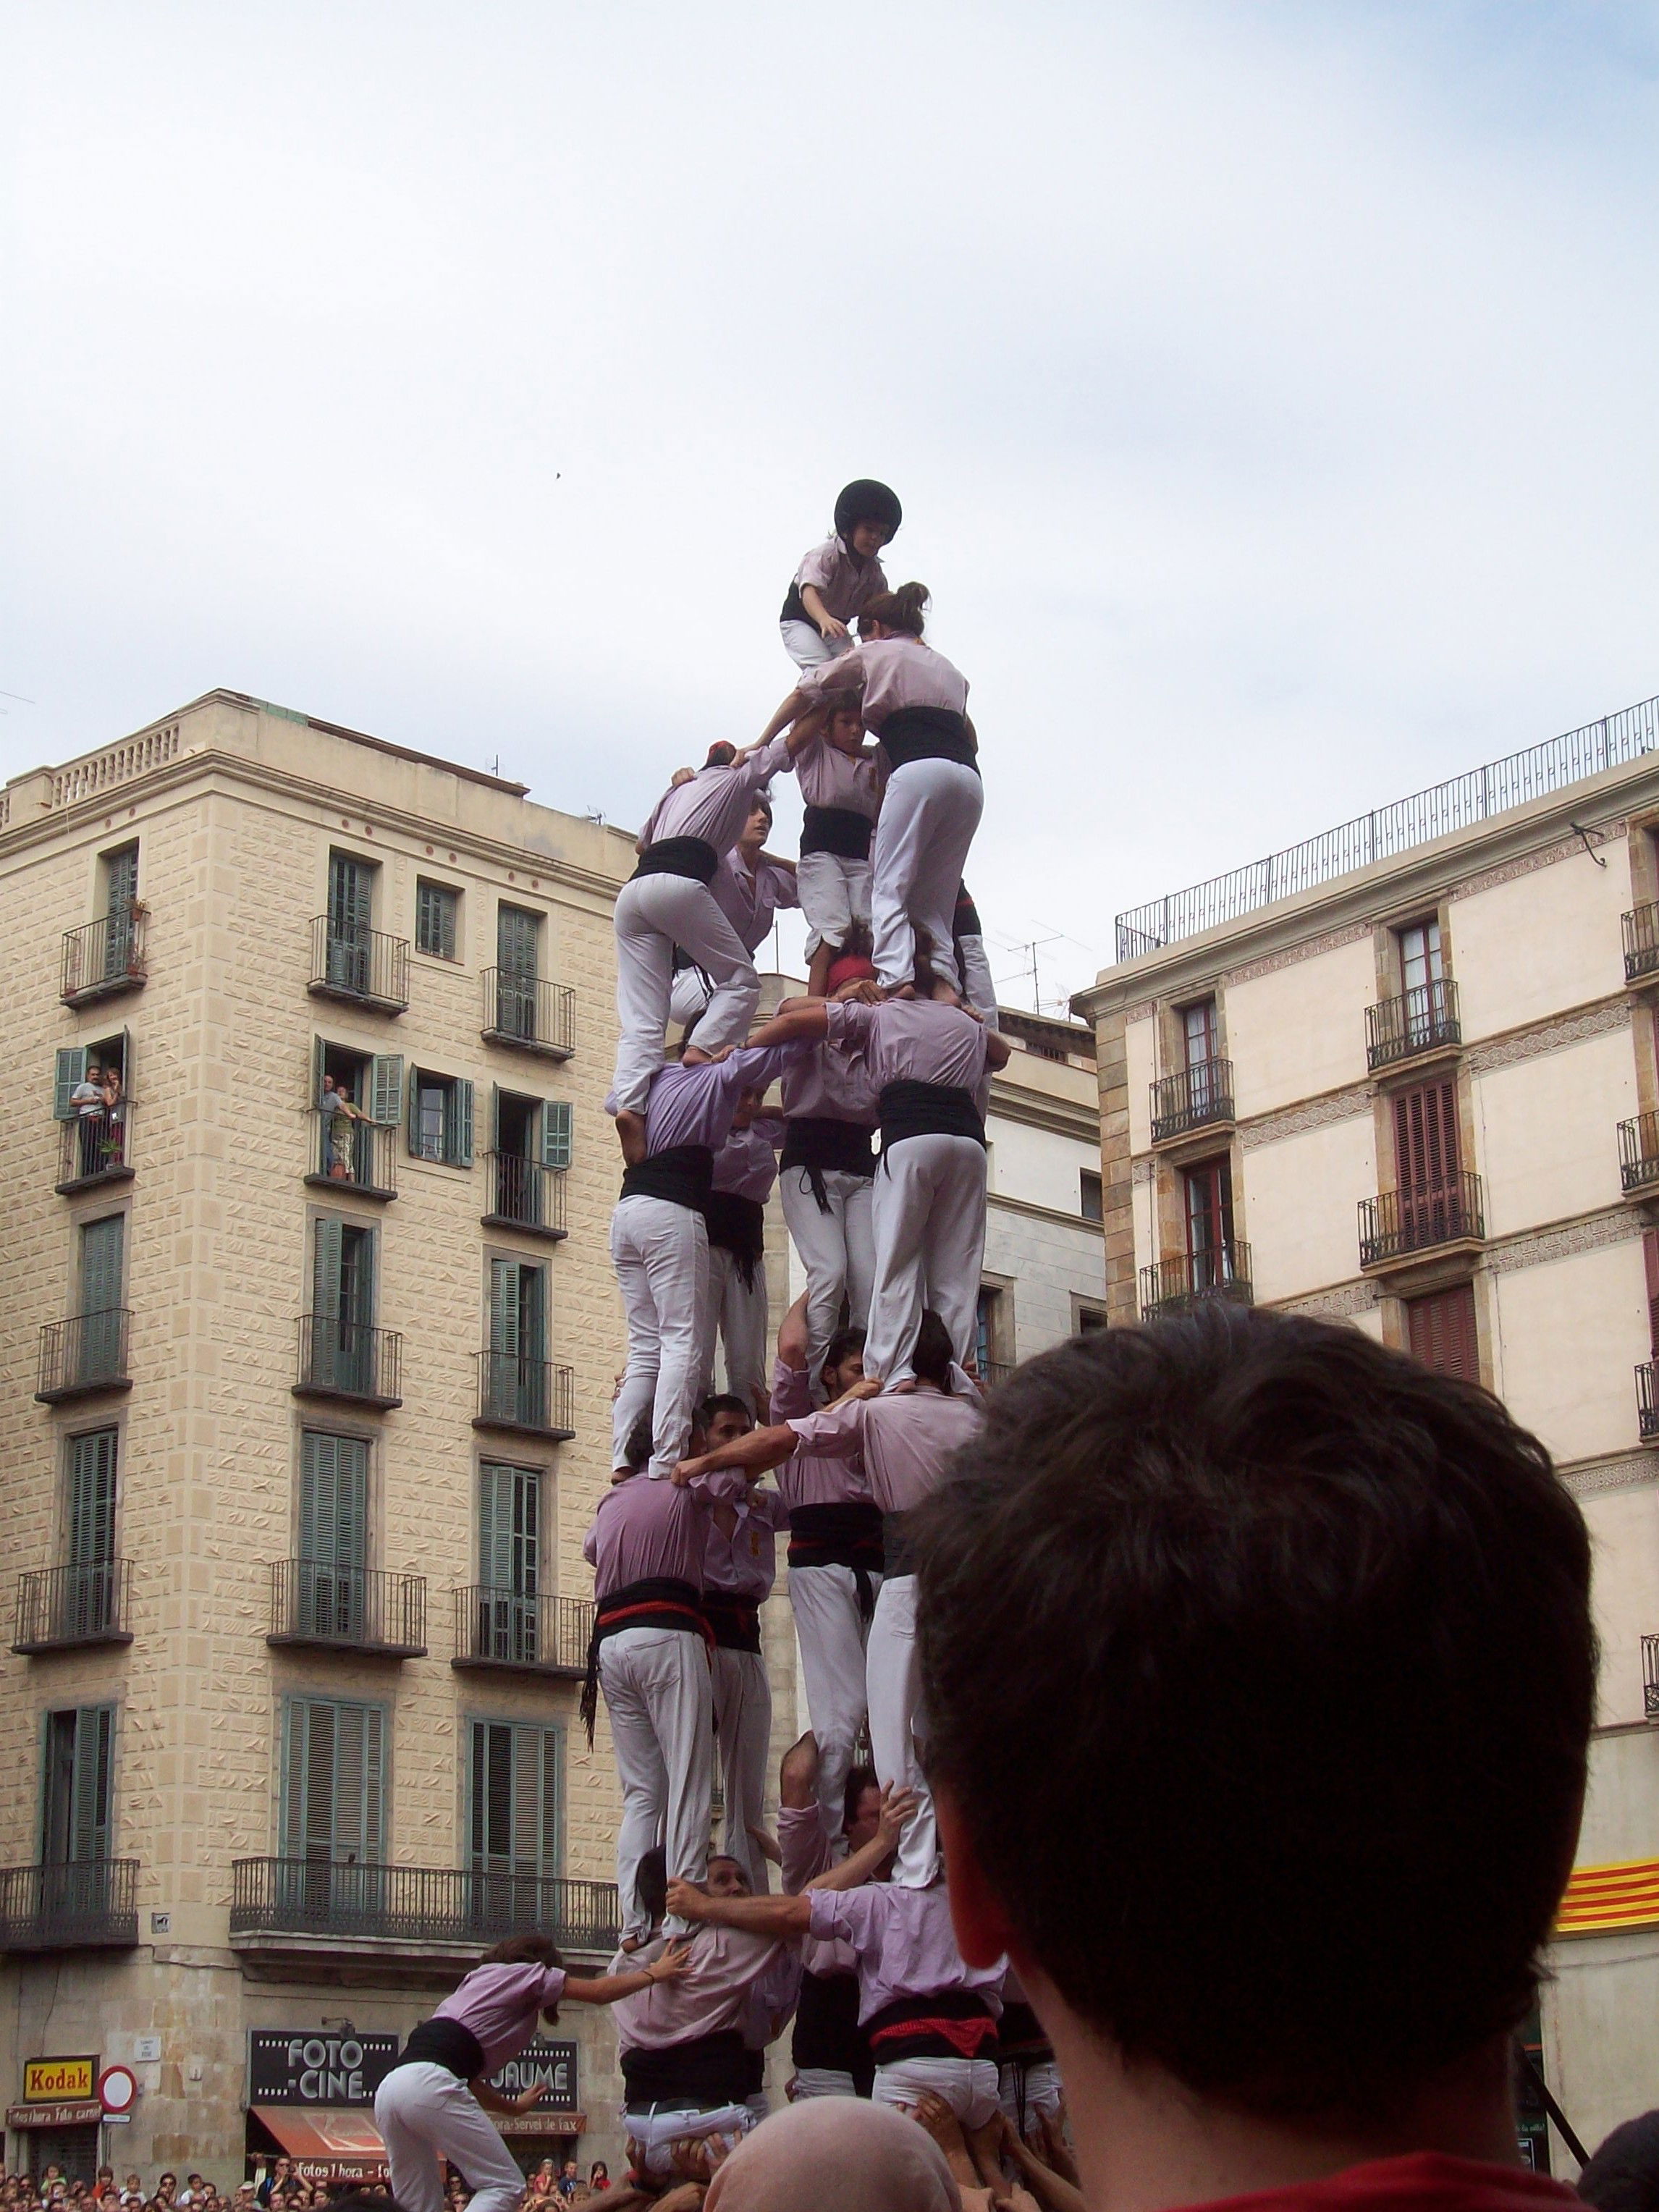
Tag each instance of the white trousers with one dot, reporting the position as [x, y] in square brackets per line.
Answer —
[831, 1633]
[687, 997]
[981, 991]
[834, 893]
[893, 1686]
[657, 2134]
[424, 2113]
[660, 1702]
[837, 1250]
[743, 1722]
[968, 2086]
[661, 1253]
[1028, 2093]
[807, 646]
[929, 1215]
[653, 914]
[821, 2082]
[735, 1312]
[929, 813]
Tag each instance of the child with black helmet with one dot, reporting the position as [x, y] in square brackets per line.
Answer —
[837, 580]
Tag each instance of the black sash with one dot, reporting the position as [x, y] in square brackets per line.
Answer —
[965, 921]
[1022, 2035]
[447, 2043]
[733, 1621]
[927, 1109]
[897, 1548]
[683, 1175]
[827, 2031]
[846, 1534]
[709, 2071]
[818, 1141]
[913, 733]
[794, 608]
[679, 856]
[655, 1602]
[839, 830]
[946, 2024]
[738, 1226]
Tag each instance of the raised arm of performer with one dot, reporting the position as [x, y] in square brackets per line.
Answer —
[782, 1917]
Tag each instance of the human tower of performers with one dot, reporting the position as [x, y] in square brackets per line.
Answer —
[871, 1394]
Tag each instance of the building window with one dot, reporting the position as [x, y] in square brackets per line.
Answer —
[333, 1534]
[1425, 1145]
[992, 1332]
[437, 912]
[1440, 1331]
[1198, 1032]
[1091, 1203]
[103, 1248]
[509, 1528]
[1090, 1318]
[75, 1793]
[517, 935]
[1420, 963]
[333, 1781]
[514, 1787]
[1207, 1202]
[92, 1461]
[441, 1118]
[119, 871]
[90, 1084]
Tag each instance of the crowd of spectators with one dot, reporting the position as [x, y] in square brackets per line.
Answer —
[275, 2188]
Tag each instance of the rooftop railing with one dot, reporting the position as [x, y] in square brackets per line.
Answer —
[504, 1628]
[68, 1904]
[1422, 1019]
[1419, 820]
[418, 1904]
[103, 958]
[363, 965]
[1399, 1223]
[60, 1607]
[1192, 1099]
[87, 1352]
[529, 1013]
[344, 1608]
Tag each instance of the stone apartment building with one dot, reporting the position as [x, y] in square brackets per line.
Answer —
[1405, 1075]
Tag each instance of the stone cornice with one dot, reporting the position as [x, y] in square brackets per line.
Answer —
[1006, 1204]
[1613, 1471]
[1038, 1112]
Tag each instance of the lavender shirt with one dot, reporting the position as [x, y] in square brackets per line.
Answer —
[716, 802]
[911, 1041]
[890, 672]
[746, 1164]
[846, 581]
[829, 777]
[643, 1530]
[748, 897]
[805, 1851]
[812, 1478]
[905, 1943]
[714, 1994]
[695, 1105]
[825, 1085]
[503, 2006]
[907, 1437]
[744, 1563]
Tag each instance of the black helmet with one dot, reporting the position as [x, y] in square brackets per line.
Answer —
[866, 501]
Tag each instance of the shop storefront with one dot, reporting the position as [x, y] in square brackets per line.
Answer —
[57, 2120]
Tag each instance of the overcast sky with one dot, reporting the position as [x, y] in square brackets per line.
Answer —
[1270, 387]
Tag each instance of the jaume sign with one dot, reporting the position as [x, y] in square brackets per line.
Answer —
[305, 2069]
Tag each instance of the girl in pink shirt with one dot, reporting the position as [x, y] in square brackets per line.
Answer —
[837, 580]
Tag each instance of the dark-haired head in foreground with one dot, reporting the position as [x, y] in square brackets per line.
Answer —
[1623, 2175]
[1260, 1671]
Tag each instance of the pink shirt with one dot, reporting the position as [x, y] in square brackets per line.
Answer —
[829, 777]
[746, 1164]
[714, 1995]
[846, 581]
[812, 1478]
[717, 801]
[907, 1437]
[503, 2006]
[695, 1105]
[890, 672]
[748, 897]
[825, 1085]
[911, 1041]
[743, 1562]
[904, 1944]
[806, 1852]
[643, 1530]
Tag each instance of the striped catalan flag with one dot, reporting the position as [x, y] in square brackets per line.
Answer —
[1623, 1895]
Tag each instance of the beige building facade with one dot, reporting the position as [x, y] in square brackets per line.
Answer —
[1404, 1077]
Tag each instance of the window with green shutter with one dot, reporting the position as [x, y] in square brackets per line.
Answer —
[517, 935]
[514, 1784]
[518, 1313]
[509, 1533]
[437, 909]
[75, 1796]
[333, 1781]
[439, 1118]
[558, 1123]
[92, 1499]
[103, 1245]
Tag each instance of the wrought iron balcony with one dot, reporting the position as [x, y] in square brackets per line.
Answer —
[86, 1354]
[502, 1628]
[70, 1905]
[356, 1156]
[1638, 1152]
[363, 966]
[1175, 1286]
[1641, 943]
[993, 1373]
[349, 1359]
[426, 1905]
[1399, 1223]
[103, 958]
[529, 1013]
[1647, 1401]
[1650, 1680]
[1195, 1097]
[92, 1148]
[524, 1194]
[347, 1609]
[1421, 1020]
[61, 1609]
[528, 1394]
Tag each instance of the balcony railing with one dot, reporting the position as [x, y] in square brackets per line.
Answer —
[541, 1635]
[1650, 1680]
[417, 1905]
[103, 958]
[60, 1607]
[349, 1155]
[92, 1148]
[529, 1013]
[993, 1373]
[363, 965]
[68, 1904]
[1638, 1152]
[349, 1359]
[524, 1194]
[515, 1392]
[1647, 1401]
[87, 1352]
[1641, 943]
[1175, 1286]
[347, 1608]
[1420, 1020]
[1192, 1099]
[1399, 1223]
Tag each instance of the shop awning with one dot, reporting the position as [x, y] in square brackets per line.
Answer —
[326, 2146]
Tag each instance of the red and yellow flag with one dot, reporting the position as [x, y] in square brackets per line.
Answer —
[1625, 1894]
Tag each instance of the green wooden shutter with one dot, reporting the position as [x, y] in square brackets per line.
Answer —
[333, 1500]
[127, 1064]
[386, 1088]
[509, 1499]
[516, 932]
[325, 1272]
[515, 1789]
[71, 1069]
[349, 896]
[504, 1308]
[532, 1311]
[122, 868]
[89, 1815]
[459, 1123]
[92, 1500]
[333, 1780]
[101, 1247]
[558, 1124]
[412, 1131]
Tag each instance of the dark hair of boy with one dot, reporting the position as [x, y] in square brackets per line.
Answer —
[723, 1401]
[1623, 2175]
[1260, 1672]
